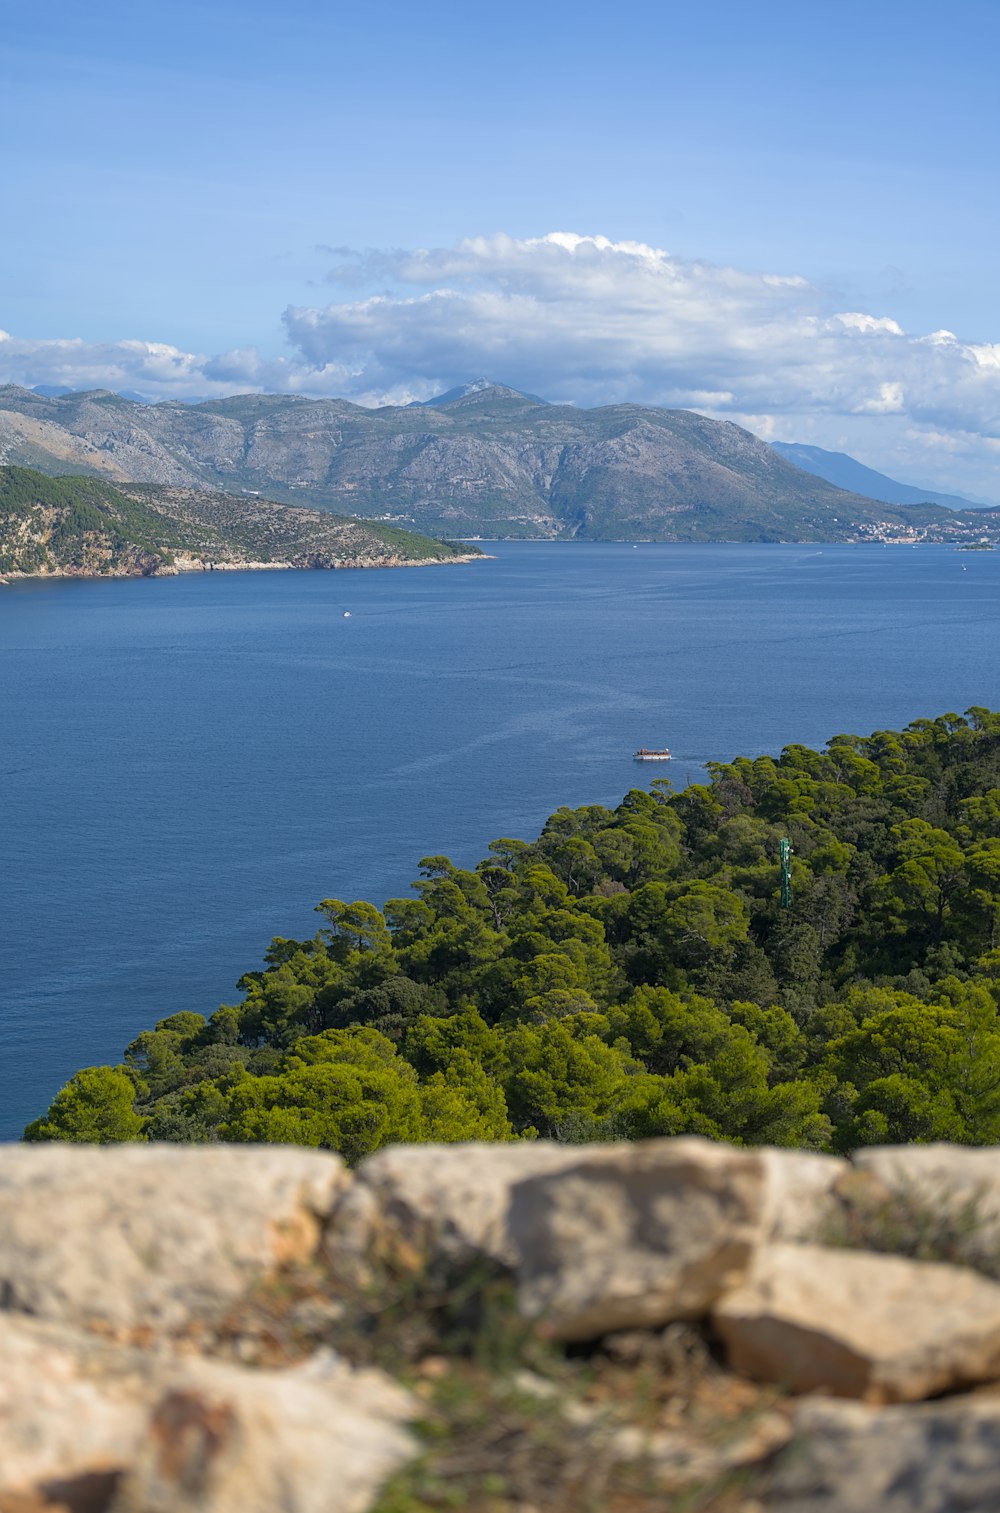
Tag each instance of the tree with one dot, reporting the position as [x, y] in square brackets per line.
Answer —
[355, 927]
[669, 1031]
[679, 936]
[462, 1103]
[897, 1110]
[354, 1102]
[159, 1056]
[560, 1069]
[96, 1106]
[930, 869]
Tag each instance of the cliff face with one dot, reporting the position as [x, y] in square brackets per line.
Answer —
[228, 1329]
[489, 462]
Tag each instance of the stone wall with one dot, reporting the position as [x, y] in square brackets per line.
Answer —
[162, 1308]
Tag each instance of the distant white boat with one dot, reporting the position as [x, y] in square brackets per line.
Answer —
[652, 754]
[347, 614]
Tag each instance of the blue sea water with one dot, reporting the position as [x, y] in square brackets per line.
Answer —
[188, 765]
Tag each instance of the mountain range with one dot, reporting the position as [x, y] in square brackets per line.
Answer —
[484, 461]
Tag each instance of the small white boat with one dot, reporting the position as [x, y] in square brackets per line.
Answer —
[652, 754]
[347, 614]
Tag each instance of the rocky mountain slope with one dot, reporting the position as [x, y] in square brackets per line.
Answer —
[86, 527]
[527, 1325]
[488, 462]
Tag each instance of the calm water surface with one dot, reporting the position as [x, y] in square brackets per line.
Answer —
[189, 764]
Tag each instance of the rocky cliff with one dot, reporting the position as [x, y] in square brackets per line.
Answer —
[673, 1323]
[489, 462]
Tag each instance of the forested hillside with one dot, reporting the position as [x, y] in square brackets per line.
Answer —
[633, 972]
[85, 527]
[78, 526]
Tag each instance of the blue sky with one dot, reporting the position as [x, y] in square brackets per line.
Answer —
[186, 180]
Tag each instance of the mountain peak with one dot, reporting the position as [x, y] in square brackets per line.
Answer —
[479, 391]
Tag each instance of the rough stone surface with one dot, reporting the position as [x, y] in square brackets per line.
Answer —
[636, 1235]
[134, 1259]
[950, 1179]
[128, 1237]
[860, 1325]
[451, 1200]
[223, 1440]
[848, 1458]
[101, 1429]
[70, 1408]
[800, 1193]
[639, 1234]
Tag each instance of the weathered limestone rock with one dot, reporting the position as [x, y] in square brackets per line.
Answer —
[354, 1235]
[71, 1411]
[223, 1440]
[848, 1458]
[635, 1235]
[800, 1193]
[454, 1201]
[106, 1430]
[954, 1181]
[127, 1237]
[860, 1325]
[449, 1200]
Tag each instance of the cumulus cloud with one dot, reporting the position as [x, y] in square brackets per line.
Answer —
[591, 320]
[98, 365]
[585, 320]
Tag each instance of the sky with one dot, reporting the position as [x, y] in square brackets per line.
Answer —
[773, 213]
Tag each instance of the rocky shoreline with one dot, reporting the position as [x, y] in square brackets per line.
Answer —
[213, 1329]
[182, 565]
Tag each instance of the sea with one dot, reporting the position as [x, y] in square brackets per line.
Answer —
[188, 765]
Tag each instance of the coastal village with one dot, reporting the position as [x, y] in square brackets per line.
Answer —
[960, 531]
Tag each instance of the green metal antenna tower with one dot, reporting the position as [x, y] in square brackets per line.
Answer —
[786, 874]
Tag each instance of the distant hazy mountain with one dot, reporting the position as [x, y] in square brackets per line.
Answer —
[488, 462]
[51, 391]
[847, 473]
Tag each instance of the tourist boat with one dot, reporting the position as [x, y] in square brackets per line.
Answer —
[651, 754]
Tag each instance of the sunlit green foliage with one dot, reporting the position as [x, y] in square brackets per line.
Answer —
[632, 973]
[95, 1107]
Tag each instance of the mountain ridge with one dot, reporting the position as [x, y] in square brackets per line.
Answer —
[490, 462]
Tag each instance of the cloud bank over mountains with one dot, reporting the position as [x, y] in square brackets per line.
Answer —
[585, 320]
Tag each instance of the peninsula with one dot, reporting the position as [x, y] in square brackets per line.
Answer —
[84, 527]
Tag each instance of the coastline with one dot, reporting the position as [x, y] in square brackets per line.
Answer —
[184, 565]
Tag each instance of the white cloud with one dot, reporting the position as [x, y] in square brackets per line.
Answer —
[586, 320]
[151, 367]
[593, 320]
[890, 400]
[854, 320]
[99, 365]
